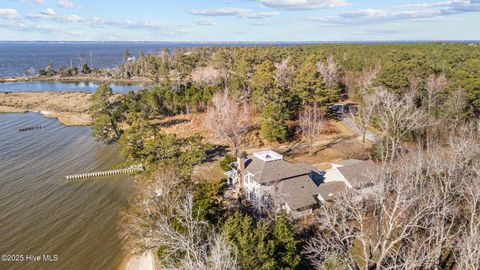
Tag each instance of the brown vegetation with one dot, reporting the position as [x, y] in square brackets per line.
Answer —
[69, 108]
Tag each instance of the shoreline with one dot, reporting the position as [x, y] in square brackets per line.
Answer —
[67, 119]
[146, 261]
[71, 109]
[130, 81]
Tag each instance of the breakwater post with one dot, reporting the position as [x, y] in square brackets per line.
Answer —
[30, 128]
[105, 173]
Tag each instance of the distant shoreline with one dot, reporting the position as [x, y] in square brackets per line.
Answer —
[135, 80]
[246, 42]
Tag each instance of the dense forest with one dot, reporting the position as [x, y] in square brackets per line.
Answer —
[422, 99]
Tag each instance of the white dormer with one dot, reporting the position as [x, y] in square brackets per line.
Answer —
[268, 155]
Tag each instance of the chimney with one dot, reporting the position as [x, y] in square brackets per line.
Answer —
[240, 163]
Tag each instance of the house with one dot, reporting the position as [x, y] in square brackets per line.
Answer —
[300, 186]
[354, 173]
[343, 109]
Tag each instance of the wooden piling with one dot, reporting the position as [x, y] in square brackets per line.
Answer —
[105, 173]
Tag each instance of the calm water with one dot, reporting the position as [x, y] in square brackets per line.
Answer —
[40, 86]
[41, 213]
[18, 57]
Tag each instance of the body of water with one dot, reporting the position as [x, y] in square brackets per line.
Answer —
[17, 58]
[43, 214]
[51, 86]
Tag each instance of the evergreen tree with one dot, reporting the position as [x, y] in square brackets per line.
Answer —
[262, 245]
[467, 77]
[309, 85]
[254, 250]
[286, 252]
[104, 115]
[273, 123]
[263, 84]
[86, 69]
[142, 143]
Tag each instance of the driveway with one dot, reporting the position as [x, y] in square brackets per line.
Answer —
[368, 135]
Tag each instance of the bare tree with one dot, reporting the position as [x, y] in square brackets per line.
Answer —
[329, 71]
[410, 218]
[284, 73]
[454, 108]
[311, 123]
[434, 86]
[363, 117]
[374, 224]
[228, 119]
[161, 218]
[222, 255]
[368, 102]
[468, 245]
[270, 204]
[396, 117]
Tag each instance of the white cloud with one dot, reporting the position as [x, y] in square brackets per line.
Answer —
[206, 22]
[71, 18]
[48, 11]
[238, 12]
[67, 4]
[412, 12]
[9, 13]
[49, 29]
[103, 22]
[40, 2]
[304, 4]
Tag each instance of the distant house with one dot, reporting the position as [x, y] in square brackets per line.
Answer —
[342, 109]
[301, 187]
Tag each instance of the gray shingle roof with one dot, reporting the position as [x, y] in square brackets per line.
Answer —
[300, 184]
[348, 162]
[271, 171]
[356, 173]
[298, 192]
[328, 191]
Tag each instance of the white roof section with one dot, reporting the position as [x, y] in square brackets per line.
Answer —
[334, 175]
[268, 155]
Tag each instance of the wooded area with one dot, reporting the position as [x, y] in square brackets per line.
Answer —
[423, 101]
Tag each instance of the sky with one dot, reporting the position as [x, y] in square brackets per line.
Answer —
[239, 20]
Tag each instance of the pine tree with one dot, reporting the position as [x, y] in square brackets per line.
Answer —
[273, 123]
[263, 84]
[310, 86]
[103, 113]
[286, 251]
[254, 250]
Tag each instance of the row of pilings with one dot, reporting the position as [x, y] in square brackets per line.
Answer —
[105, 173]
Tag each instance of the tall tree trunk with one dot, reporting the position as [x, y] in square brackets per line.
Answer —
[311, 146]
[394, 150]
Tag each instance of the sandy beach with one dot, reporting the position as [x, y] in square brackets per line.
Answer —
[70, 108]
[140, 262]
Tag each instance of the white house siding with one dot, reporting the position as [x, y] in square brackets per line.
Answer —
[253, 189]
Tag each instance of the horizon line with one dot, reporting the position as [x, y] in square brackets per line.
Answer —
[248, 42]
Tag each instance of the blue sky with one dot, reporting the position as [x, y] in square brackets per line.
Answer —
[239, 20]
